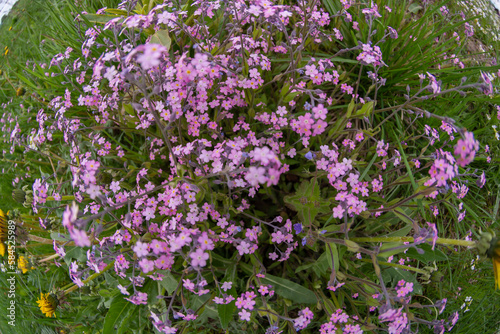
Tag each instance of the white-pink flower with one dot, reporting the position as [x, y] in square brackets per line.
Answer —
[199, 258]
[256, 175]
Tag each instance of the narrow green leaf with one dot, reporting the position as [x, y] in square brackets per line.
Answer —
[290, 290]
[334, 255]
[365, 110]
[99, 19]
[119, 12]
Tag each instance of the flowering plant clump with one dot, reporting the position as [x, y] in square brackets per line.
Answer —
[223, 165]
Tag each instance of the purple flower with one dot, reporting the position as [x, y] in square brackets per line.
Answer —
[139, 298]
[452, 321]
[80, 237]
[70, 215]
[434, 234]
[393, 33]
[389, 315]
[481, 181]
[297, 227]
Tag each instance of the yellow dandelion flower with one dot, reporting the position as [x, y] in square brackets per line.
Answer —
[22, 264]
[494, 254]
[3, 232]
[47, 304]
[20, 91]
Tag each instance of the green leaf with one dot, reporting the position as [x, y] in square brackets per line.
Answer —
[414, 8]
[403, 214]
[290, 290]
[75, 253]
[330, 6]
[119, 12]
[429, 255]
[319, 266]
[99, 19]
[365, 110]
[119, 311]
[350, 108]
[352, 246]
[226, 313]
[161, 37]
[285, 89]
[59, 236]
[308, 202]
[394, 275]
[169, 283]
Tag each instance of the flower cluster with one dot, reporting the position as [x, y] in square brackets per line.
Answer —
[197, 157]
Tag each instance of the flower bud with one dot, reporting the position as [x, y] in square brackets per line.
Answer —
[483, 244]
[19, 195]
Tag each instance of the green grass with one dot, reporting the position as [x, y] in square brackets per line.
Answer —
[34, 21]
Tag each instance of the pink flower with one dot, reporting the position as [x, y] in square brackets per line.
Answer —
[256, 175]
[188, 284]
[263, 289]
[151, 56]
[123, 290]
[70, 215]
[190, 196]
[199, 258]
[80, 237]
[264, 155]
[164, 262]
[205, 242]
[156, 246]
[141, 249]
[226, 286]
[320, 112]
[244, 248]
[244, 315]
[115, 186]
[338, 212]
[146, 265]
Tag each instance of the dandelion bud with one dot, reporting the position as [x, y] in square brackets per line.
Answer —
[483, 244]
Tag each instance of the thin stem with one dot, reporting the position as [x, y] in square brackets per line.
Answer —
[440, 241]
[91, 277]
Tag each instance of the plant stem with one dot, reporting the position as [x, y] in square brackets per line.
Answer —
[91, 277]
[420, 271]
[441, 241]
